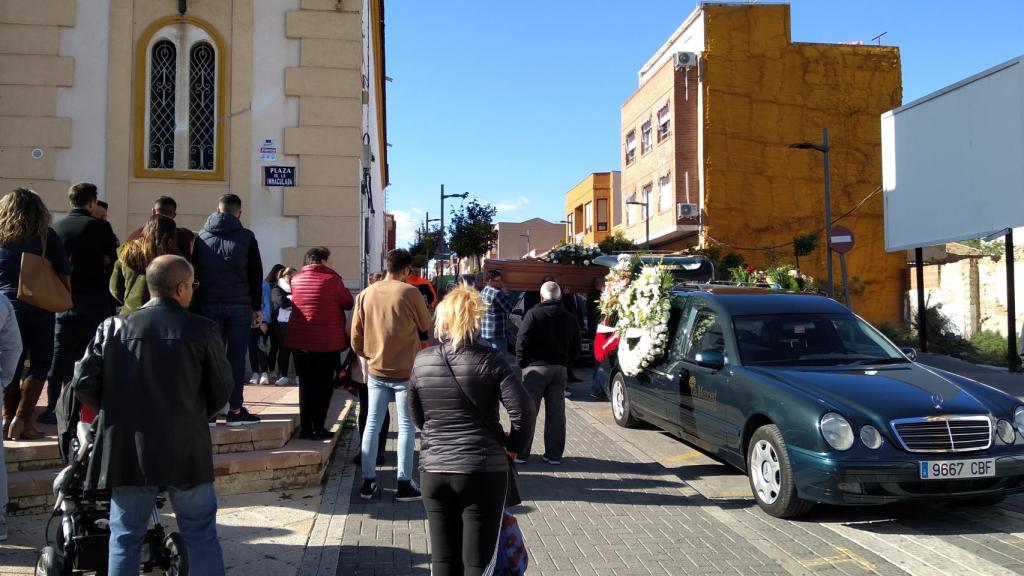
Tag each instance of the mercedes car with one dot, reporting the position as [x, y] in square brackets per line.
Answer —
[817, 406]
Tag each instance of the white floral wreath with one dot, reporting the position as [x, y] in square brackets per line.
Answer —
[643, 319]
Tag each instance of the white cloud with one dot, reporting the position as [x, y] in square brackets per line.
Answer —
[513, 205]
[405, 227]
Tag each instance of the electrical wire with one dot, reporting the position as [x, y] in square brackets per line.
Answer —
[790, 243]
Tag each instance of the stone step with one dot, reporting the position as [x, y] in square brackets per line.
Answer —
[273, 432]
[286, 462]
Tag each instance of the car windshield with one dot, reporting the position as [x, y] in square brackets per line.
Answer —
[811, 340]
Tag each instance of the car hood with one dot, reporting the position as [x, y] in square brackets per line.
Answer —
[886, 393]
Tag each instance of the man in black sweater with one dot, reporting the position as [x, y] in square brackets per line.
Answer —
[91, 247]
[548, 341]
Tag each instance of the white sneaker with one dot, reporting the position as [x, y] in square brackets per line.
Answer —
[282, 381]
[3, 526]
[265, 379]
[255, 378]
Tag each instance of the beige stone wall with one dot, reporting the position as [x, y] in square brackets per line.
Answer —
[327, 140]
[762, 92]
[32, 70]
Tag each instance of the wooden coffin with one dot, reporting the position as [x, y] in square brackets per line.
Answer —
[527, 275]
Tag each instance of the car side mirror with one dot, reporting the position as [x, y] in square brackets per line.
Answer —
[909, 353]
[710, 359]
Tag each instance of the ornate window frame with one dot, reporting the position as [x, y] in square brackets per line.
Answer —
[186, 33]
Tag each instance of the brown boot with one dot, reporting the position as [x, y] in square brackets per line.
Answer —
[12, 394]
[23, 425]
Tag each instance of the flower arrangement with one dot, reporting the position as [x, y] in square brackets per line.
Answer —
[573, 254]
[780, 276]
[643, 313]
[615, 285]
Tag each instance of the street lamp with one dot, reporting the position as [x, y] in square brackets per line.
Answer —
[824, 149]
[464, 195]
[647, 217]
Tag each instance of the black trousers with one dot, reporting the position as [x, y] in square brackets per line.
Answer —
[73, 331]
[464, 516]
[317, 371]
[280, 355]
[258, 360]
[364, 409]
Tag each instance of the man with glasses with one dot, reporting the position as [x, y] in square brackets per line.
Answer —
[156, 377]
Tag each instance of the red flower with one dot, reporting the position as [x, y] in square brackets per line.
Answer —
[750, 269]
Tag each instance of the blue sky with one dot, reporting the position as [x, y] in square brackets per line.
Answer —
[515, 102]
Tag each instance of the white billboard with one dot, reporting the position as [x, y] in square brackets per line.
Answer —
[953, 161]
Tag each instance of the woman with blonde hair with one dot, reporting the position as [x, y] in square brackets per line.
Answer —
[128, 282]
[454, 394]
[25, 228]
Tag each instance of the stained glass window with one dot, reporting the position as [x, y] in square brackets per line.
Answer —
[202, 107]
[163, 68]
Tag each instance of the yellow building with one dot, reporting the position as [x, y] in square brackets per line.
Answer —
[195, 99]
[735, 91]
[590, 208]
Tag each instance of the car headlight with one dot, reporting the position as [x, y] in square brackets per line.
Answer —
[1005, 431]
[871, 437]
[836, 431]
[1018, 419]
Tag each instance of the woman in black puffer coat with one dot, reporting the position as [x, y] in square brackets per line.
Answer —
[454, 394]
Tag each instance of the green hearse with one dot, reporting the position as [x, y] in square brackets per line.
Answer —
[818, 406]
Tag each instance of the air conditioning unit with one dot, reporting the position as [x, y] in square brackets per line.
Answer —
[686, 59]
[687, 211]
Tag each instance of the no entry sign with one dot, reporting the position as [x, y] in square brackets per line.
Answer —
[840, 239]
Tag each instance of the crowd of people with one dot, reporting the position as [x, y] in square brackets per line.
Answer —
[161, 326]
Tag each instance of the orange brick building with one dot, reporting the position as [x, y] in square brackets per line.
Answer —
[736, 92]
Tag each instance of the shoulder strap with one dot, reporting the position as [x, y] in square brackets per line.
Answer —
[462, 391]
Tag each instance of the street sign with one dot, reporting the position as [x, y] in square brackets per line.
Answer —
[278, 176]
[840, 239]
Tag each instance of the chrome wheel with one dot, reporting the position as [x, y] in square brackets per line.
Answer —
[765, 472]
[618, 400]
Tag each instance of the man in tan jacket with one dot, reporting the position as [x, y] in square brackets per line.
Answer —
[388, 319]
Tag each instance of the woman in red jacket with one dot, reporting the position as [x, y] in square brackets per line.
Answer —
[316, 335]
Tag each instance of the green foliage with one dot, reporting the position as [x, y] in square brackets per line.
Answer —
[804, 244]
[995, 249]
[424, 247]
[989, 348]
[616, 243]
[943, 337]
[899, 333]
[472, 230]
[782, 276]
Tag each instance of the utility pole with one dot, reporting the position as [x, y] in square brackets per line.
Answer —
[825, 150]
[464, 195]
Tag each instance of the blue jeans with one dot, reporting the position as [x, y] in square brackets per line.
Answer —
[381, 394]
[499, 344]
[235, 321]
[196, 510]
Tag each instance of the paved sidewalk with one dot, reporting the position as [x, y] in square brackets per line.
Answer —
[603, 511]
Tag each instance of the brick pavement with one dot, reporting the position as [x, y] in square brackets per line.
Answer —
[603, 511]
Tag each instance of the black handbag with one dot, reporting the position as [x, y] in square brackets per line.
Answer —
[512, 497]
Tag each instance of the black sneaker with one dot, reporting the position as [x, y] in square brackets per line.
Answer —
[213, 422]
[242, 418]
[48, 417]
[552, 461]
[408, 491]
[369, 488]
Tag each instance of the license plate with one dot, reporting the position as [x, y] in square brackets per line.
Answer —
[951, 469]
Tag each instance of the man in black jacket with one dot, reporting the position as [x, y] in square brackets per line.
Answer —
[91, 247]
[228, 265]
[549, 339]
[155, 378]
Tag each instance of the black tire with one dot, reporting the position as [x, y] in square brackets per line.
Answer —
[770, 474]
[622, 412]
[49, 562]
[176, 554]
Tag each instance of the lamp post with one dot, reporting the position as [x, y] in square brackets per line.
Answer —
[464, 195]
[647, 217]
[824, 149]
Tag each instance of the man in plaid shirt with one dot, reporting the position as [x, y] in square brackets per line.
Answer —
[499, 303]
